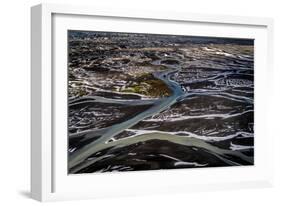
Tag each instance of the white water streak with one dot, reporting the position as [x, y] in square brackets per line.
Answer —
[207, 116]
[190, 134]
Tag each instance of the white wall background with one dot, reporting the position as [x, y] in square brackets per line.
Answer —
[15, 95]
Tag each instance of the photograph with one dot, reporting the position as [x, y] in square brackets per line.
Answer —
[143, 102]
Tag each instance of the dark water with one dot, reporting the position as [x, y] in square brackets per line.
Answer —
[146, 102]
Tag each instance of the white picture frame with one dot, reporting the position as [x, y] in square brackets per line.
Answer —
[49, 179]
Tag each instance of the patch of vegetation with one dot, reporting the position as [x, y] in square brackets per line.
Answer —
[148, 85]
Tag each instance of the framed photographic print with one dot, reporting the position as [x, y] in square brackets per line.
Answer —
[138, 102]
